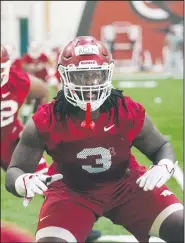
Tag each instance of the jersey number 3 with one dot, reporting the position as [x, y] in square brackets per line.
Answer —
[105, 159]
[7, 117]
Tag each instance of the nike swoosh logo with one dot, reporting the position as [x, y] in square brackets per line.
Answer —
[108, 128]
[43, 218]
[5, 95]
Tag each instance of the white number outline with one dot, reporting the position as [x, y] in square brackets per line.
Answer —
[105, 160]
[7, 117]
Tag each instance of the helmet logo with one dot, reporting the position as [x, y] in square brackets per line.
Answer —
[88, 63]
[86, 50]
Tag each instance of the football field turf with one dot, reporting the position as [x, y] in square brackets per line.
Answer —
[166, 113]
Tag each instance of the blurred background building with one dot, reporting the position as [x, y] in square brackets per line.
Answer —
[134, 31]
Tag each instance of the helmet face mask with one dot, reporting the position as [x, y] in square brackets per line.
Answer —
[84, 86]
[87, 79]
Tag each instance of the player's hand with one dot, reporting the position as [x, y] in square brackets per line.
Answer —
[157, 175]
[29, 185]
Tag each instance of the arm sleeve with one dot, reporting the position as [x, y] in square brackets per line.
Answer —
[152, 143]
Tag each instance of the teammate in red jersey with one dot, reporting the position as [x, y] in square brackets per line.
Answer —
[16, 85]
[12, 233]
[96, 171]
[36, 62]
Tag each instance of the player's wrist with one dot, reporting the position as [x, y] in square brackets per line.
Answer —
[170, 166]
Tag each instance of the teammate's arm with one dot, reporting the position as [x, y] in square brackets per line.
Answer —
[156, 147]
[26, 156]
[38, 90]
[153, 144]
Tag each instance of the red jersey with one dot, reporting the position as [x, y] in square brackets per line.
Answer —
[41, 59]
[87, 157]
[13, 94]
[17, 63]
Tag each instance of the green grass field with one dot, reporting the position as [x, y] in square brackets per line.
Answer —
[168, 117]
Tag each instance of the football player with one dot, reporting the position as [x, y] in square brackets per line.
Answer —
[89, 130]
[35, 62]
[7, 146]
[16, 85]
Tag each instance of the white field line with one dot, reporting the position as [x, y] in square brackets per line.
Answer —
[178, 175]
[146, 76]
[124, 238]
[137, 84]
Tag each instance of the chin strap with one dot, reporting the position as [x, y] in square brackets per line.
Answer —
[88, 123]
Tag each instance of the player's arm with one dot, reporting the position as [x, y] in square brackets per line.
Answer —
[157, 148]
[26, 156]
[20, 179]
[38, 90]
[153, 144]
